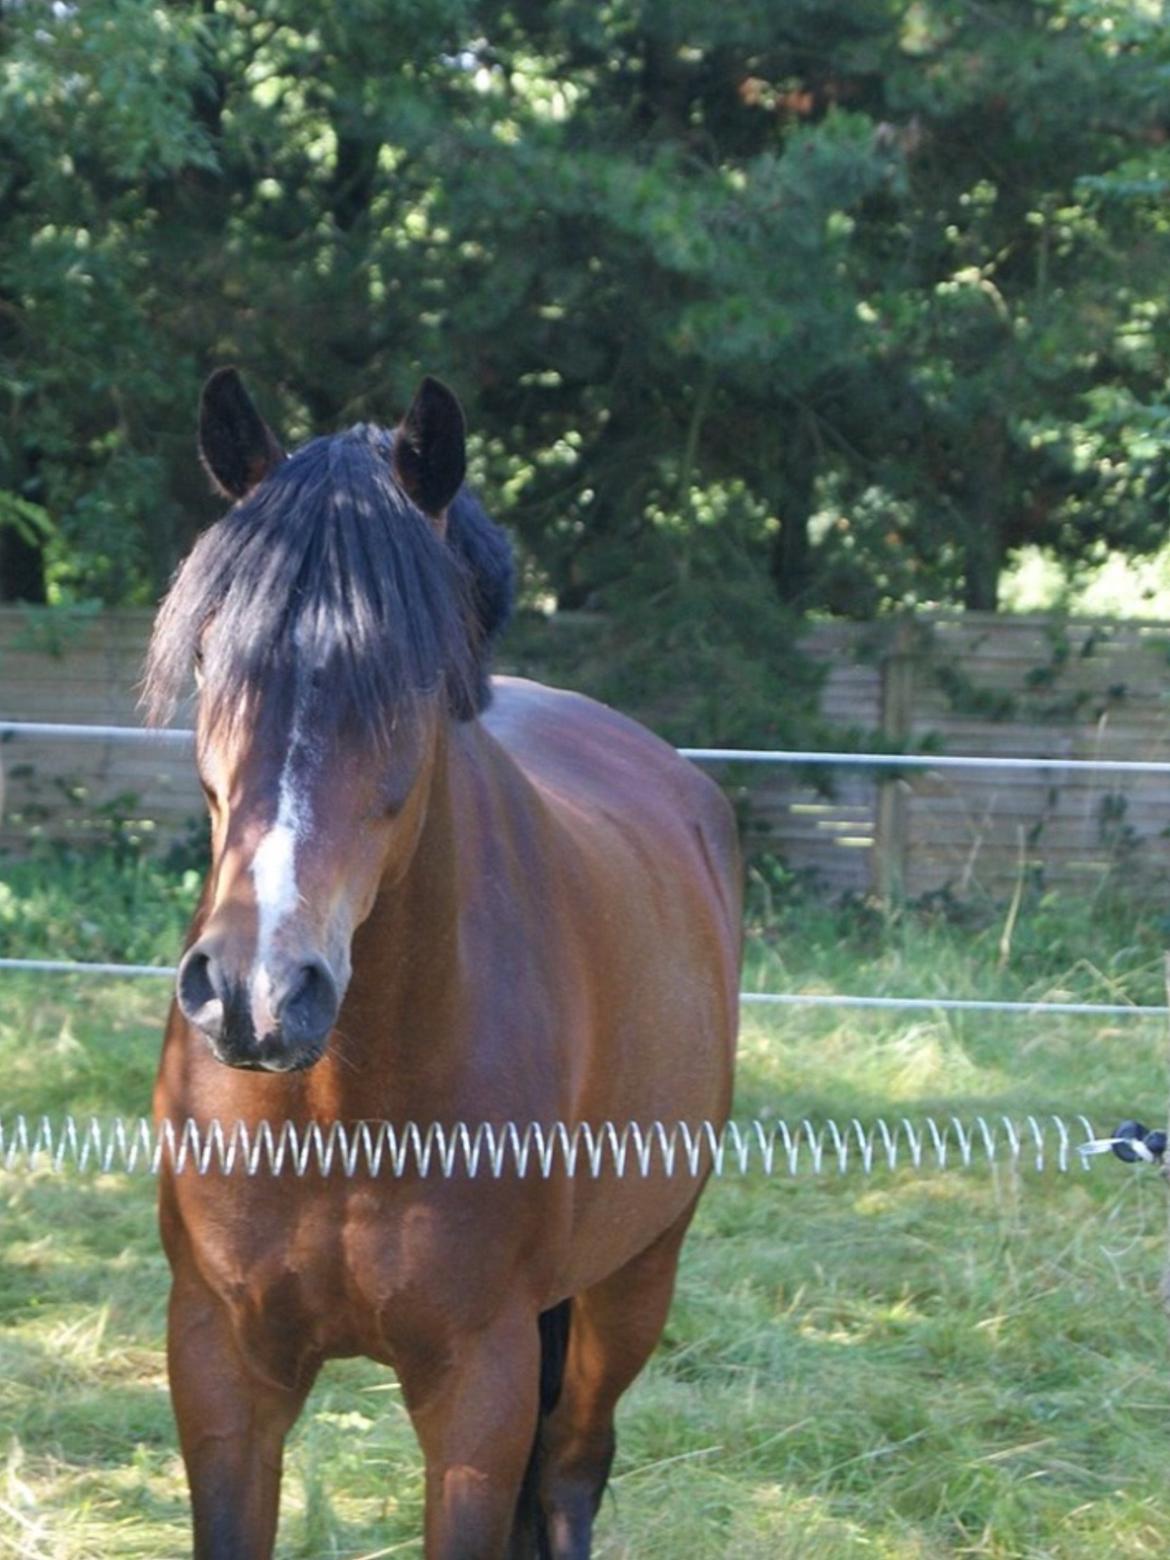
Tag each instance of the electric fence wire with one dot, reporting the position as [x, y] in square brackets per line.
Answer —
[185, 737]
[748, 998]
[771, 1147]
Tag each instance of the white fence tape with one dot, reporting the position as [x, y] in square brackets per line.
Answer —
[138, 734]
[380, 1148]
[747, 998]
[1120, 766]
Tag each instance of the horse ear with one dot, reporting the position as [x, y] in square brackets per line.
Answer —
[430, 458]
[236, 445]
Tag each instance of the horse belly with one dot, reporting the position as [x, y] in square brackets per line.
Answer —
[663, 1068]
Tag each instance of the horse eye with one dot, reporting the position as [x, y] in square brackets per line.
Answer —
[395, 793]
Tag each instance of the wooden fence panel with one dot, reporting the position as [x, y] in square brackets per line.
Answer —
[999, 685]
[1014, 687]
[85, 669]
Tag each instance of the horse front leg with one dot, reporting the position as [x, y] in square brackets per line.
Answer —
[232, 1426]
[473, 1403]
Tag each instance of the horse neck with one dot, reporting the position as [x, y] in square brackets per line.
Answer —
[410, 991]
[416, 913]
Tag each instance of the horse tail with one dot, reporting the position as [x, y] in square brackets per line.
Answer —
[529, 1530]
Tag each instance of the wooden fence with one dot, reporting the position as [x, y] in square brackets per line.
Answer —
[84, 669]
[998, 686]
[975, 683]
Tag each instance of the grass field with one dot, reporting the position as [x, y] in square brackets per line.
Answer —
[902, 1365]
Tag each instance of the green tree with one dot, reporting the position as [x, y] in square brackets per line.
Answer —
[837, 301]
[1011, 295]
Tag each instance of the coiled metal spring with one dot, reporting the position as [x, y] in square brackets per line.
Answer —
[771, 1147]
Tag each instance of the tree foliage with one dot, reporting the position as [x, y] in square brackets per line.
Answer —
[868, 289]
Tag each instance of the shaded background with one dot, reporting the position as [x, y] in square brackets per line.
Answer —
[758, 310]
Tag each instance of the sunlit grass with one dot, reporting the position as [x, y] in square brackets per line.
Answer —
[903, 1365]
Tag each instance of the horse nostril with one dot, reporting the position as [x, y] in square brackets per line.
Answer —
[308, 1008]
[197, 991]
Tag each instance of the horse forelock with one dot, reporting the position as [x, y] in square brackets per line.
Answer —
[326, 577]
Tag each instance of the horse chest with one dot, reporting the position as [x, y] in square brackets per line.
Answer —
[353, 1270]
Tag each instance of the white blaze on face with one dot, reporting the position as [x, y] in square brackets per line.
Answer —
[275, 878]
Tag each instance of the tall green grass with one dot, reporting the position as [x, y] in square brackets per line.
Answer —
[903, 1365]
[97, 906]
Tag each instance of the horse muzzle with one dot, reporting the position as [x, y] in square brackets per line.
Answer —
[267, 1021]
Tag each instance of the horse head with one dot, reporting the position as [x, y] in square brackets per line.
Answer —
[337, 618]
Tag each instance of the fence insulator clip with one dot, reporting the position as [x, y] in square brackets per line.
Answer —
[1133, 1142]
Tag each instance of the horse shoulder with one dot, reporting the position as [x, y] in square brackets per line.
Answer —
[601, 771]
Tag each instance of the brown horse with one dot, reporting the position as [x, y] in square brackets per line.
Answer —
[420, 908]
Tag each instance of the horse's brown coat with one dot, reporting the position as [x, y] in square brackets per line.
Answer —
[554, 936]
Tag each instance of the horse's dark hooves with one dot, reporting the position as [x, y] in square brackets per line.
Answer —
[1131, 1137]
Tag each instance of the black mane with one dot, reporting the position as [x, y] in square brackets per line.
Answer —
[328, 568]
